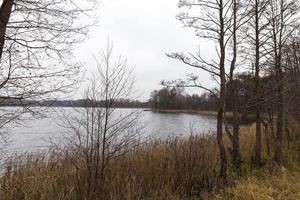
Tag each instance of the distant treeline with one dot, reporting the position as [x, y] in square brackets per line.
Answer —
[121, 103]
[175, 98]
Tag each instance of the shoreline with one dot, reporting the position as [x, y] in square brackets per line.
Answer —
[247, 120]
[187, 111]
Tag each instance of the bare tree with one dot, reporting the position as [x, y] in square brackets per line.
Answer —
[284, 22]
[238, 18]
[99, 132]
[256, 38]
[292, 69]
[214, 23]
[258, 9]
[36, 44]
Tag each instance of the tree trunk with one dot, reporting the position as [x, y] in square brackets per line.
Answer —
[236, 155]
[279, 132]
[5, 12]
[222, 150]
[258, 145]
[236, 146]
[286, 129]
[278, 45]
[267, 138]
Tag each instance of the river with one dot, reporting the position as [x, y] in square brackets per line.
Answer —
[35, 134]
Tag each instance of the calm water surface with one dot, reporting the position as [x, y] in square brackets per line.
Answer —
[35, 134]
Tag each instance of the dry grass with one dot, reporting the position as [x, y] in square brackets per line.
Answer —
[160, 170]
[284, 185]
[172, 169]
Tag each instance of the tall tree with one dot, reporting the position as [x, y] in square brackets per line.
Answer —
[214, 23]
[258, 145]
[257, 28]
[284, 22]
[254, 49]
[233, 87]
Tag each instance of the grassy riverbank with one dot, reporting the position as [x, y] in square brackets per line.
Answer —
[262, 184]
[179, 168]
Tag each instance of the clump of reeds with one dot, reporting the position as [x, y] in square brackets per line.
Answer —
[176, 167]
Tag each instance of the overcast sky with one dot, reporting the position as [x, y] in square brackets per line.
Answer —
[143, 32]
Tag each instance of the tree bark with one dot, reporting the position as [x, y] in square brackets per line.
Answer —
[222, 150]
[5, 11]
[267, 137]
[236, 145]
